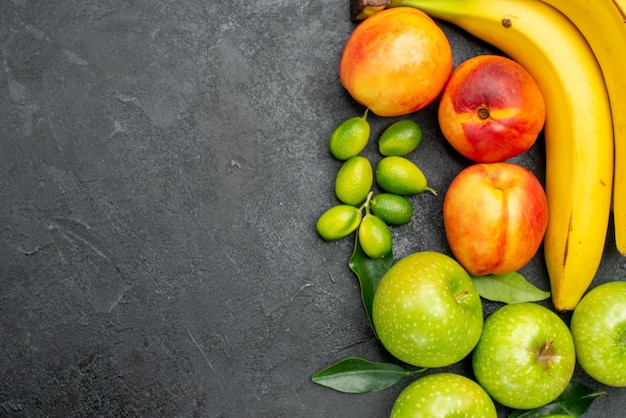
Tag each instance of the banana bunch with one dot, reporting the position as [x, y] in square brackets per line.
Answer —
[603, 23]
[576, 51]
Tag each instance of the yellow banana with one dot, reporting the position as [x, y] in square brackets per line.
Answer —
[578, 129]
[603, 23]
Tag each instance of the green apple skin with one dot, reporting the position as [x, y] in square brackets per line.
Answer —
[443, 395]
[426, 310]
[598, 326]
[525, 357]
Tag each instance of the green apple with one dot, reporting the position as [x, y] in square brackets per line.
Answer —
[443, 395]
[525, 357]
[599, 328]
[426, 310]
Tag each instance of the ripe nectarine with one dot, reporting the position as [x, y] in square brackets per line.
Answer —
[495, 216]
[396, 62]
[491, 109]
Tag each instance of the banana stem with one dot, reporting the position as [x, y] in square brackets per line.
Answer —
[418, 4]
[362, 9]
[438, 9]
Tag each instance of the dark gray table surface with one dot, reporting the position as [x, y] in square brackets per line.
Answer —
[162, 167]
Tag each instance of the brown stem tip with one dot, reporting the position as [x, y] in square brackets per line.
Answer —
[361, 9]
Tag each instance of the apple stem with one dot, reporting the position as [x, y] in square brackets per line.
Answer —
[483, 113]
[545, 354]
[462, 294]
[546, 348]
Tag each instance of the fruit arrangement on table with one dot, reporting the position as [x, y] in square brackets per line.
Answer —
[561, 75]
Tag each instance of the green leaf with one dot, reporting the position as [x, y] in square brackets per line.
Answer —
[574, 401]
[356, 375]
[369, 271]
[508, 288]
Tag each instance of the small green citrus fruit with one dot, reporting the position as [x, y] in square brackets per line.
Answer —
[354, 180]
[350, 137]
[338, 222]
[393, 209]
[374, 237]
[401, 176]
[400, 138]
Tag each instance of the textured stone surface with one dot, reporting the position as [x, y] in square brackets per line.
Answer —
[162, 166]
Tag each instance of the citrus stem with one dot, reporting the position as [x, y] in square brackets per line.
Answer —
[412, 372]
[433, 191]
[366, 205]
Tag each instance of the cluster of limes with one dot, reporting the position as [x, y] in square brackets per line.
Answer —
[395, 174]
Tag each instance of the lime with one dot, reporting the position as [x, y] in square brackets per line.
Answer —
[374, 236]
[354, 180]
[350, 137]
[393, 209]
[400, 138]
[338, 222]
[401, 176]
